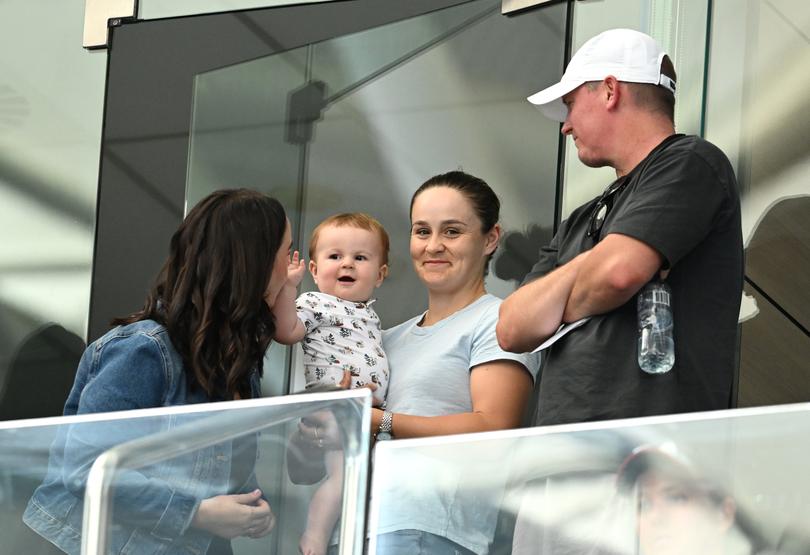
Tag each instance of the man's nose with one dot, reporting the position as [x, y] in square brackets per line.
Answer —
[566, 127]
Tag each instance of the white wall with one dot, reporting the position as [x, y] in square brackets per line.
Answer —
[51, 101]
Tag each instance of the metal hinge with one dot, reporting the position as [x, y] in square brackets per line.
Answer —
[100, 15]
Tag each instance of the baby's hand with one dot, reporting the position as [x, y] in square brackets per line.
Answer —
[295, 270]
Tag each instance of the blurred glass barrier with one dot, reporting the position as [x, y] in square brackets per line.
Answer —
[724, 482]
[158, 474]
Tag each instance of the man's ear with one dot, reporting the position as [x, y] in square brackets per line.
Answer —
[313, 269]
[612, 92]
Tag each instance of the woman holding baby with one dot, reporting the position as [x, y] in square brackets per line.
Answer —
[447, 373]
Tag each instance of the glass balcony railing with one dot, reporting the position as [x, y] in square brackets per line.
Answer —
[728, 482]
[185, 479]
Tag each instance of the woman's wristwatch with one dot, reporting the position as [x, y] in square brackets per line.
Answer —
[386, 426]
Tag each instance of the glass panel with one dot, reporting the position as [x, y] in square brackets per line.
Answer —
[727, 483]
[171, 476]
[680, 28]
[757, 111]
[337, 62]
[51, 105]
[356, 123]
[217, 156]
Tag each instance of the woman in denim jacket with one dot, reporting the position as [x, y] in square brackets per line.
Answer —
[200, 337]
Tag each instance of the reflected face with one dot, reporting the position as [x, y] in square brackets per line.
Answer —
[448, 248]
[676, 519]
[585, 123]
[279, 274]
[348, 262]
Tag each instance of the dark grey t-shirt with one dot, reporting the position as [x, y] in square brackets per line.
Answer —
[682, 200]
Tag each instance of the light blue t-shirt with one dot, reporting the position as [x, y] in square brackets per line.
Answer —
[430, 376]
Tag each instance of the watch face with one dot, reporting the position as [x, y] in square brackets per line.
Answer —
[383, 436]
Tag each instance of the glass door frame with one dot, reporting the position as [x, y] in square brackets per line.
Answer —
[147, 121]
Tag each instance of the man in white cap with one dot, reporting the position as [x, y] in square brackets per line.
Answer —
[673, 212]
[679, 510]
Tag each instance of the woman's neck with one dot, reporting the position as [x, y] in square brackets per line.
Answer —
[441, 305]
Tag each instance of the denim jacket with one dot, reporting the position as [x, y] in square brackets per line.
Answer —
[130, 367]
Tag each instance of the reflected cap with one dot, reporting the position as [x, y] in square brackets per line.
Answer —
[663, 459]
[630, 56]
[666, 460]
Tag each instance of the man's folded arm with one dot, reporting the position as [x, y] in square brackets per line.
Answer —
[616, 268]
[534, 312]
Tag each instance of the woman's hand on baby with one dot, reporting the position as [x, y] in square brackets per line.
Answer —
[346, 383]
[231, 516]
[295, 269]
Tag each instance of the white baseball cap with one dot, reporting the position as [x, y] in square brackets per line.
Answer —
[628, 55]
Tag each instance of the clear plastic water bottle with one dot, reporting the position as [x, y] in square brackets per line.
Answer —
[656, 342]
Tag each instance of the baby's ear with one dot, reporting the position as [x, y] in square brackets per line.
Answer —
[313, 269]
[382, 274]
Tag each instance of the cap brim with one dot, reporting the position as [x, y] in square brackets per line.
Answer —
[549, 100]
[657, 462]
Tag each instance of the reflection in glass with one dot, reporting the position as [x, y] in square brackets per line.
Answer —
[678, 511]
[164, 464]
[757, 112]
[729, 483]
[49, 140]
[358, 122]
[45, 361]
[681, 32]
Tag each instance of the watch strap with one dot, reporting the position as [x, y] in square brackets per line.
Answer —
[386, 423]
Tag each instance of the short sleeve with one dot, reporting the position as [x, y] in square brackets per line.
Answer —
[308, 309]
[485, 346]
[674, 206]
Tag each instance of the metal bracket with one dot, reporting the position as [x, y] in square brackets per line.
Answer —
[100, 15]
[511, 6]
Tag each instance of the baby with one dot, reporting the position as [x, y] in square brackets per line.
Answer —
[340, 332]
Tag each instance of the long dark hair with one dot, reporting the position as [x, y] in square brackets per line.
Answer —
[210, 292]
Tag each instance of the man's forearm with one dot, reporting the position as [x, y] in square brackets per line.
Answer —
[600, 298]
[615, 270]
[534, 312]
